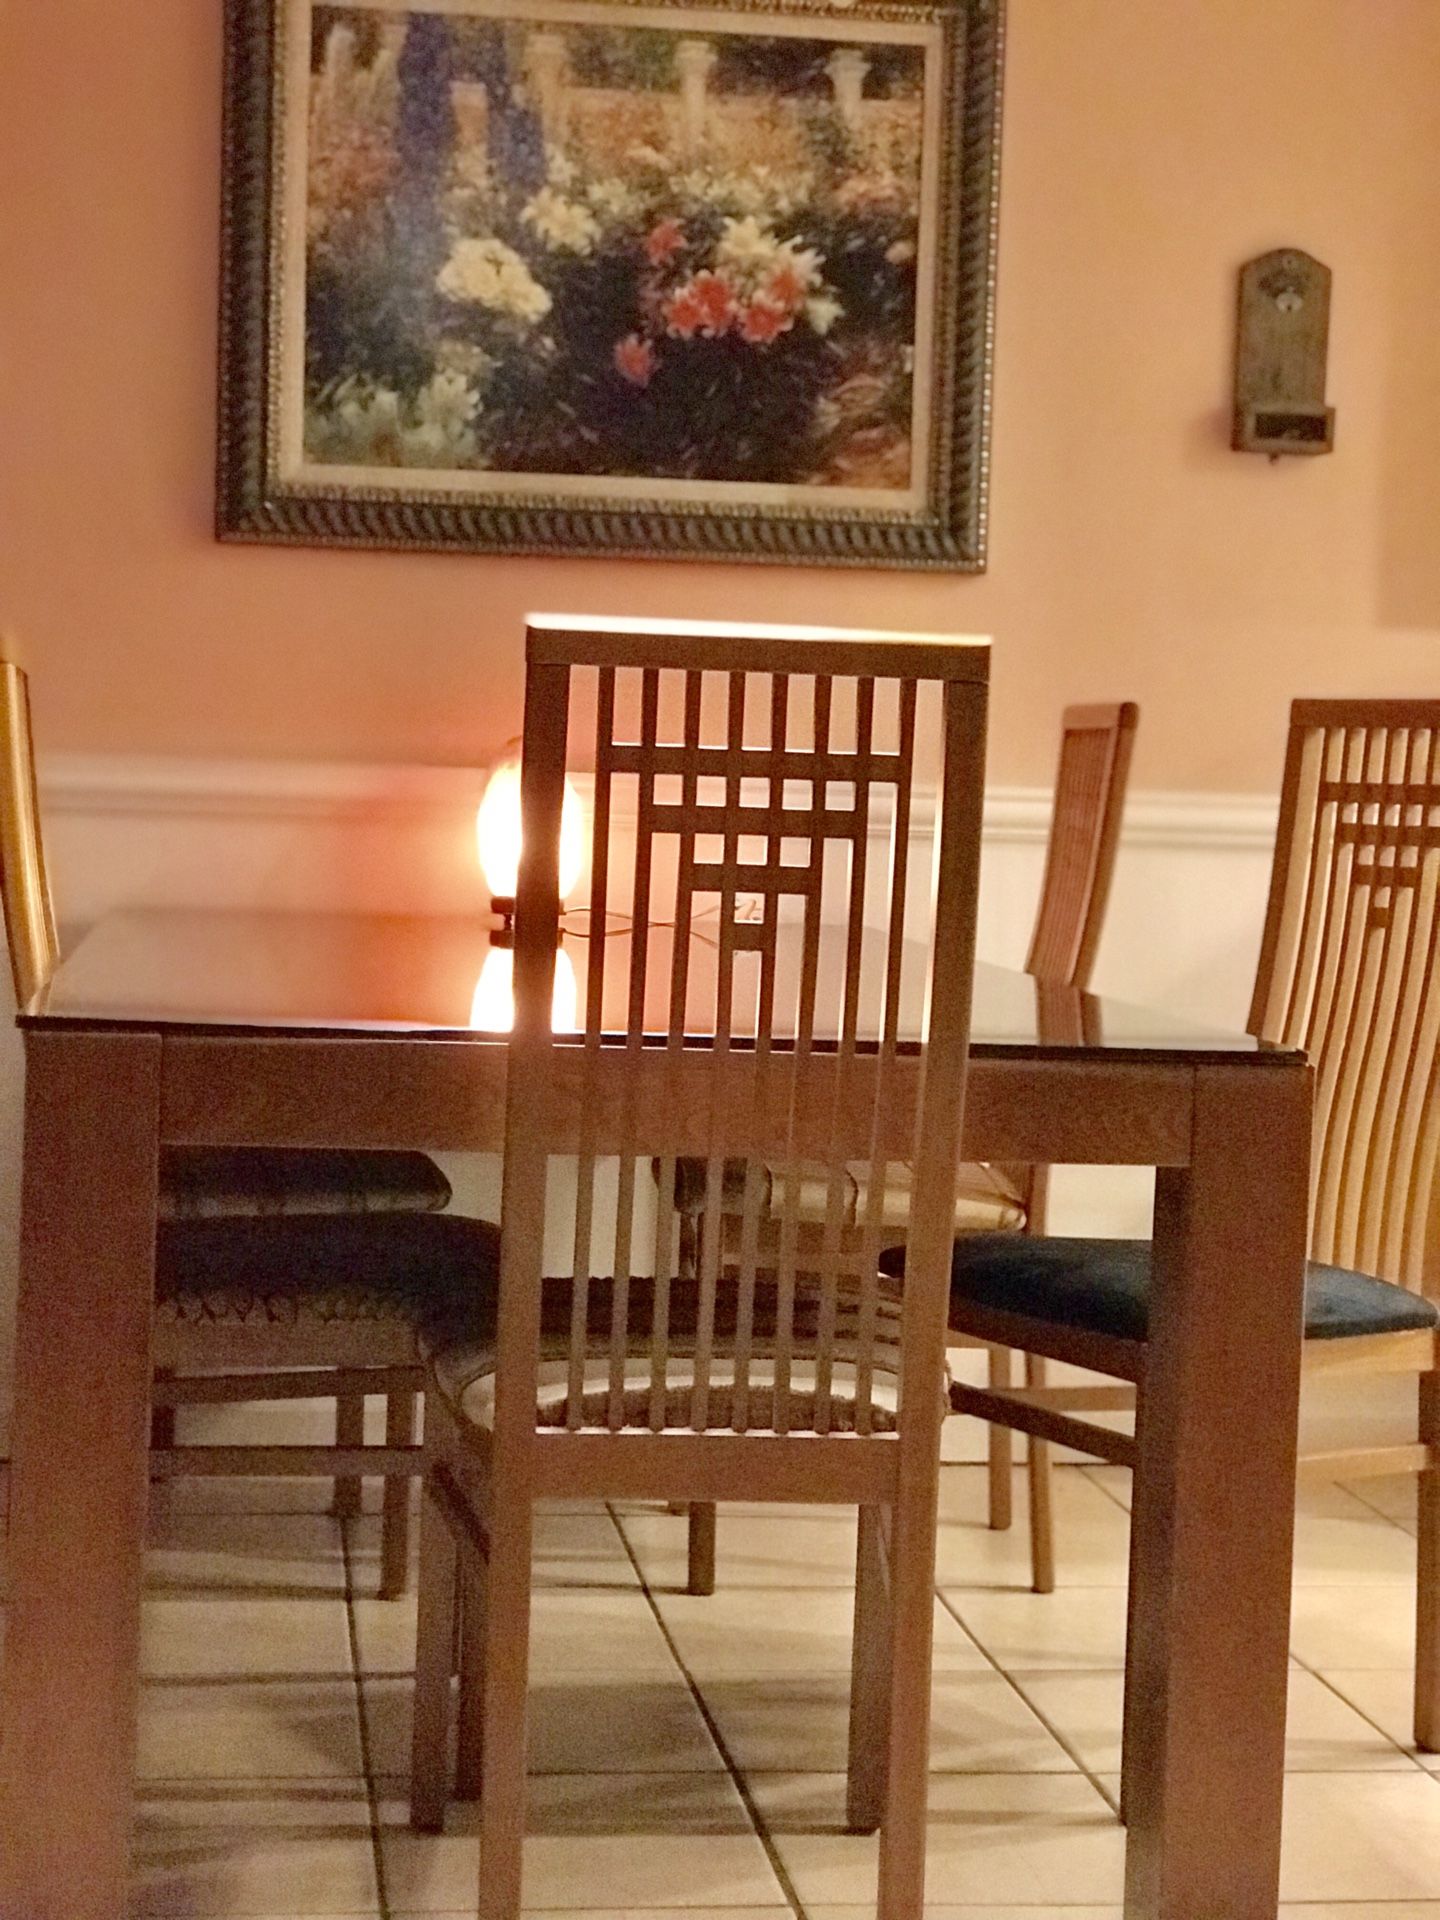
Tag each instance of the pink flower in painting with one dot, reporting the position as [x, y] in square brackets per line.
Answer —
[704, 305]
[762, 321]
[664, 240]
[635, 360]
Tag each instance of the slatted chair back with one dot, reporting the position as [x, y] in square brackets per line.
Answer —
[1096, 743]
[1350, 971]
[769, 778]
[30, 936]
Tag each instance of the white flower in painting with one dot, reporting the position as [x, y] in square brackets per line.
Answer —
[641, 155]
[614, 200]
[747, 246]
[443, 433]
[560, 169]
[566, 225]
[487, 273]
[822, 310]
[368, 418]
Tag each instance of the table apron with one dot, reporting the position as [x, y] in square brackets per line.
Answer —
[450, 1095]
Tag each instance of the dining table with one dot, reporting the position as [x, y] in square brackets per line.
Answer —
[344, 1029]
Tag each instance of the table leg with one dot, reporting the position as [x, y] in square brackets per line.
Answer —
[69, 1683]
[1214, 1506]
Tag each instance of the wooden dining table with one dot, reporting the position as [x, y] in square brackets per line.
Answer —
[300, 1030]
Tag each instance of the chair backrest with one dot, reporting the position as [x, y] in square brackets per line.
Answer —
[758, 772]
[1350, 970]
[1096, 743]
[30, 935]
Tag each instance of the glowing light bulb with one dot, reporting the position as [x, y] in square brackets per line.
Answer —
[493, 1008]
[499, 832]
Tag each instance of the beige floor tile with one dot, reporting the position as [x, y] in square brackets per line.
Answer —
[1386, 1696]
[232, 1851]
[1339, 1541]
[1092, 1534]
[1073, 1628]
[1359, 1838]
[271, 1730]
[624, 1913]
[1353, 1627]
[978, 1724]
[742, 1631]
[277, 1556]
[573, 1549]
[932, 1912]
[1365, 1837]
[631, 1724]
[571, 1630]
[1355, 1910]
[199, 1638]
[1324, 1734]
[1017, 1838]
[777, 1550]
[682, 1840]
[1393, 1495]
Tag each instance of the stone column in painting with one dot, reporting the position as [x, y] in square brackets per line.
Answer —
[424, 145]
[847, 68]
[694, 60]
[547, 69]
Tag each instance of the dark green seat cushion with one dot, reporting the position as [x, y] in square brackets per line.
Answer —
[226, 1182]
[425, 1268]
[1103, 1286]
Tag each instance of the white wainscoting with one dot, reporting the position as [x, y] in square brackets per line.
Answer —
[1183, 931]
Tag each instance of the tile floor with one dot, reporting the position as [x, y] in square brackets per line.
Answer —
[687, 1753]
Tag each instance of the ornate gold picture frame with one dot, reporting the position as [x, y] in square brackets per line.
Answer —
[597, 276]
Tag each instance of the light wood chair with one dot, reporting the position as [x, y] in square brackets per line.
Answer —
[1096, 746]
[305, 1269]
[782, 1381]
[1350, 971]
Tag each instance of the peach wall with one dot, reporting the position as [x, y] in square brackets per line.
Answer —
[1150, 147]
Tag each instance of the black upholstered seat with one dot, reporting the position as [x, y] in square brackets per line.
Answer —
[201, 1182]
[281, 1268]
[1103, 1287]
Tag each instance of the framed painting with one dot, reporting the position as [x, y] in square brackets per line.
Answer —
[610, 276]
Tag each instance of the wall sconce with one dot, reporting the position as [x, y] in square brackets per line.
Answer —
[498, 834]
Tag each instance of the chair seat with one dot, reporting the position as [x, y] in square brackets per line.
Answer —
[461, 1354]
[1103, 1287]
[226, 1182]
[289, 1268]
[984, 1201]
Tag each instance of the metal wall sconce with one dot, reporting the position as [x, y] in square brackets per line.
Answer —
[1282, 341]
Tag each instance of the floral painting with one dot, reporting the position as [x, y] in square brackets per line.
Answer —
[575, 260]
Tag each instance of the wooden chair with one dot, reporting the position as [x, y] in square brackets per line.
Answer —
[303, 1267]
[1096, 745]
[779, 1381]
[1350, 971]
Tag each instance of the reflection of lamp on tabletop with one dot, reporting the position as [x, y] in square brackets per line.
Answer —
[498, 831]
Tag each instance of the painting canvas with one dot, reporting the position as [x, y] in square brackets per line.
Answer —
[589, 275]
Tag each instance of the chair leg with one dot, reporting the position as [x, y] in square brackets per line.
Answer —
[1132, 1704]
[1427, 1581]
[911, 1567]
[162, 1419]
[502, 1791]
[1039, 1471]
[434, 1659]
[869, 1676]
[700, 1577]
[400, 1426]
[349, 1432]
[1002, 1449]
[470, 1739]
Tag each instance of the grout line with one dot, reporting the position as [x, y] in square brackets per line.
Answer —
[372, 1795]
[1345, 1700]
[1054, 1732]
[702, 1706]
[1354, 1492]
